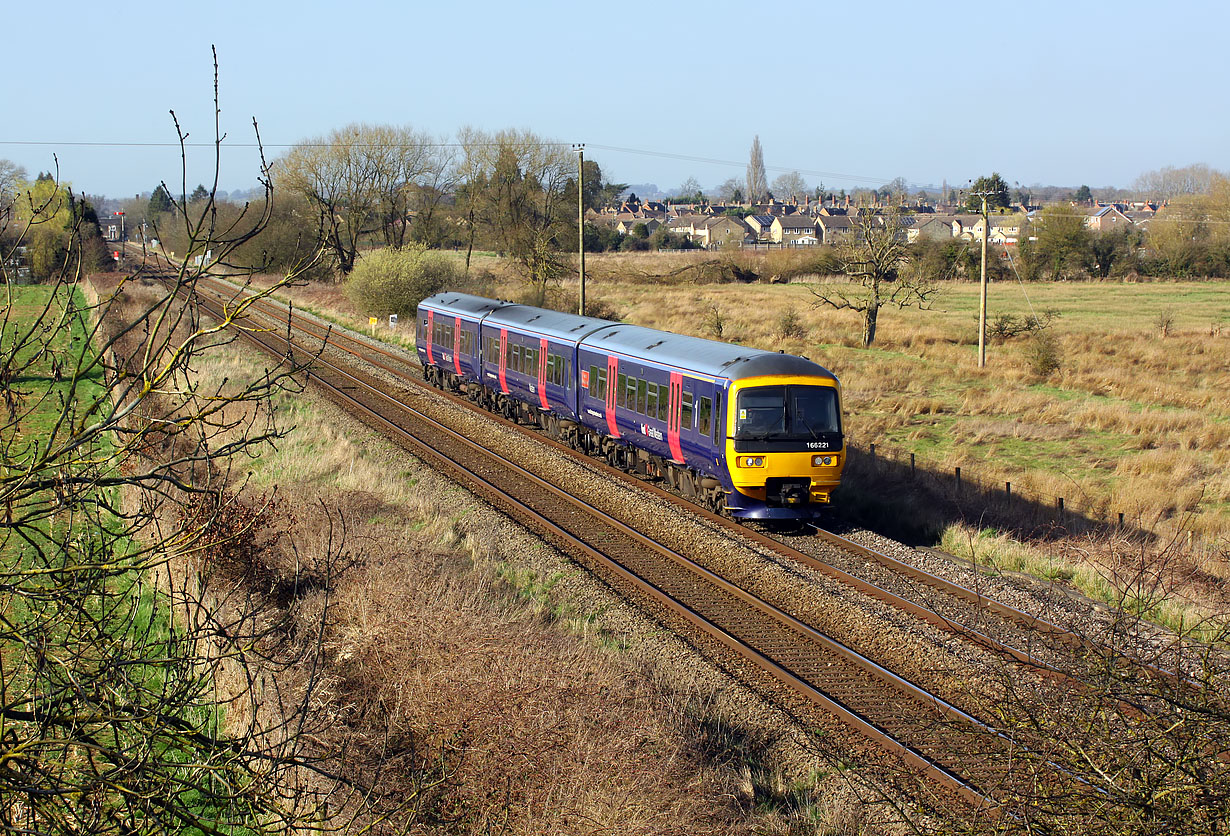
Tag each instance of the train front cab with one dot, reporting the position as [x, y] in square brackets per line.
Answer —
[784, 446]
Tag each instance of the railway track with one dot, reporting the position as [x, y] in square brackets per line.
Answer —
[934, 737]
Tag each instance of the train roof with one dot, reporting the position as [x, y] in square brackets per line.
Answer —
[464, 303]
[554, 324]
[707, 357]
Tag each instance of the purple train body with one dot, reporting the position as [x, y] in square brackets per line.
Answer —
[751, 433]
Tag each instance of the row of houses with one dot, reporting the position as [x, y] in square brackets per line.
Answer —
[788, 225]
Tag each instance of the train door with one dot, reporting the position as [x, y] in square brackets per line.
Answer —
[674, 408]
[612, 378]
[542, 372]
[503, 360]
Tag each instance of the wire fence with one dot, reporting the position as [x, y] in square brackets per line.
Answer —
[1017, 507]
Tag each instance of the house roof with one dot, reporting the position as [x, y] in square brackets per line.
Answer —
[795, 222]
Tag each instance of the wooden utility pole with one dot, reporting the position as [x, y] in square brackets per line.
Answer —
[581, 223]
[982, 302]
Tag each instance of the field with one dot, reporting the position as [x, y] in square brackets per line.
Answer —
[1134, 420]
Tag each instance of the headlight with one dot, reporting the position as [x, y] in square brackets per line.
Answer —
[821, 461]
[751, 461]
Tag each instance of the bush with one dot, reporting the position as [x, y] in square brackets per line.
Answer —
[1044, 354]
[394, 281]
[790, 325]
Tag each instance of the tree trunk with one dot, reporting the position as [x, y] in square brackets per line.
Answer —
[869, 325]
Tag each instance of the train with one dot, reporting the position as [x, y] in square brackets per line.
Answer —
[752, 434]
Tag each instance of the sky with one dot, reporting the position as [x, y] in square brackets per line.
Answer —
[850, 95]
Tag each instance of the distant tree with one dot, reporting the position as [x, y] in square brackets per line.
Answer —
[789, 186]
[11, 178]
[691, 191]
[757, 184]
[1107, 249]
[198, 194]
[160, 201]
[1191, 234]
[514, 196]
[896, 190]
[1083, 195]
[876, 260]
[730, 191]
[995, 189]
[1168, 183]
[365, 180]
[1061, 242]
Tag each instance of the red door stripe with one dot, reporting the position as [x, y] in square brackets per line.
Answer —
[431, 321]
[503, 356]
[457, 344]
[542, 373]
[673, 417]
[612, 379]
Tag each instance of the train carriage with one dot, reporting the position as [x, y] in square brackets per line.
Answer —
[529, 362]
[447, 338]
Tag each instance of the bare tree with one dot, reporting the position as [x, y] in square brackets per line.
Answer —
[789, 186]
[731, 191]
[514, 195]
[877, 263]
[757, 184]
[365, 180]
[1168, 182]
[126, 545]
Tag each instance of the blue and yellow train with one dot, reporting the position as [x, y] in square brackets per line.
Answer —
[751, 433]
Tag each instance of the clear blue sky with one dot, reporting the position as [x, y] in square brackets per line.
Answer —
[853, 94]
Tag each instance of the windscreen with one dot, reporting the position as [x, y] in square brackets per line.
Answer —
[796, 412]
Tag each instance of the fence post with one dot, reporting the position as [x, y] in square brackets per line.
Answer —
[1121, 519]
[873, 453]
[912, 471]
[1008, 491]
[958, 480]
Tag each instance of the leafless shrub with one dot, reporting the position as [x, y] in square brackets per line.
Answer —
[1164, 322]
[790, 325]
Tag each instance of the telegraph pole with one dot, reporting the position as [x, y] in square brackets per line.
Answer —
[982, 302]
[580, 149]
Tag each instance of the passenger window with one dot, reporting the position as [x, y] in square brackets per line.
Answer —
[602, 384]
[642, 394]
[703, 414]
[593, 381]
[651, 410]
[717, 417]
[664, 401]
[621, 391]
[533, 360]
[685, 418]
